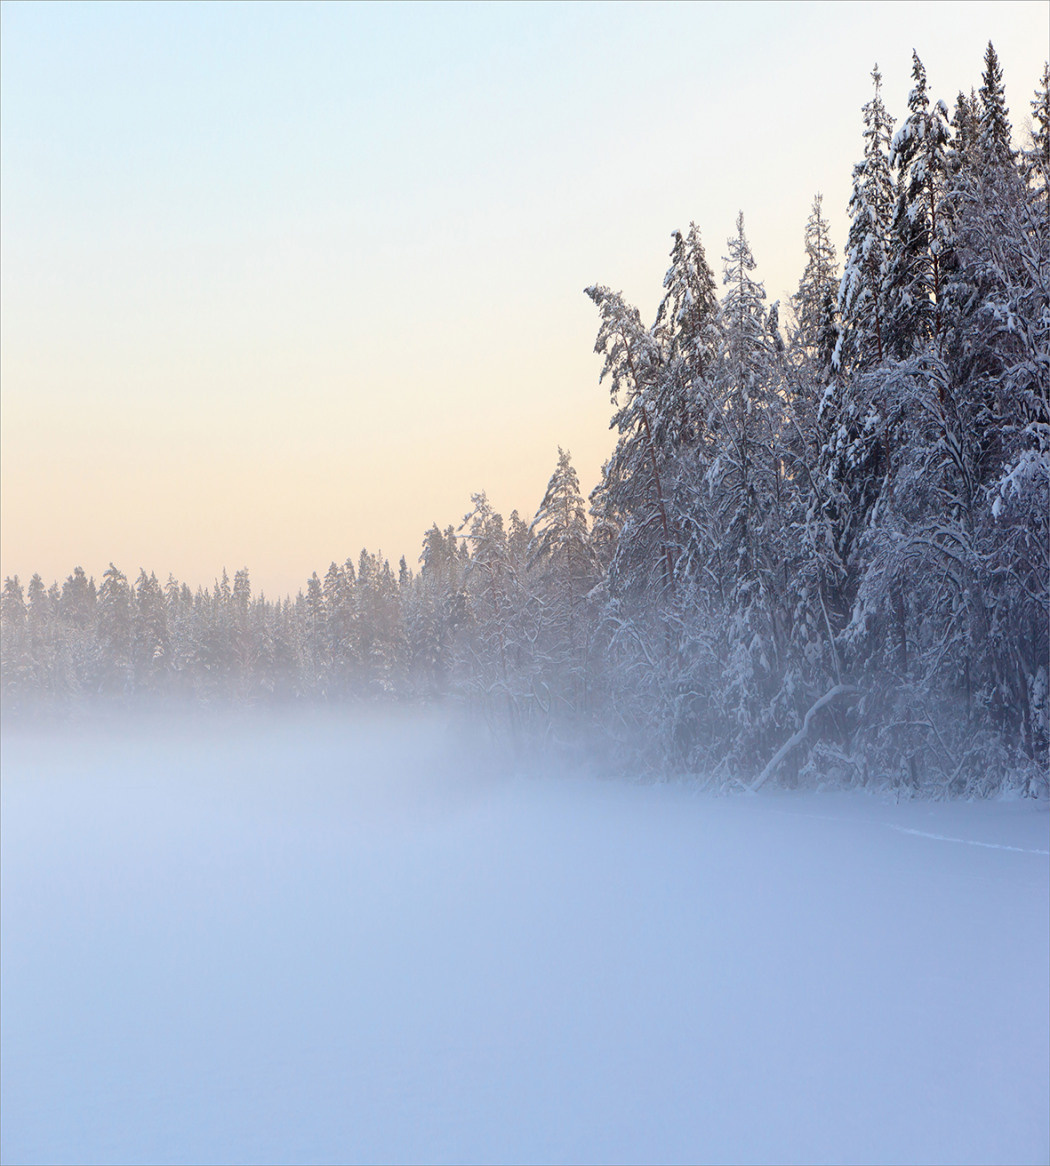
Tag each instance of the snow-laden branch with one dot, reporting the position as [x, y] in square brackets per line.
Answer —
[794, 741]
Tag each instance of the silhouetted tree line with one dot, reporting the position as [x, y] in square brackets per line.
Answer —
[819, 550]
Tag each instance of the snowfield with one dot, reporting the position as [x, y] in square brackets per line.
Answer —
[324, 939]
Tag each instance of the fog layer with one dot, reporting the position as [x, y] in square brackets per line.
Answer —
[327, 940]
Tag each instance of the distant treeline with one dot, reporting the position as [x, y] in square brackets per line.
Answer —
[820, 549]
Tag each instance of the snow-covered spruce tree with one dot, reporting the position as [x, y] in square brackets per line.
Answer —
[244, 640]
[519, 542]
[854, 433]
[744, 381]
[1037, 157]
[283, 652]
[751, 557]
[686, 415]
[337, 600]
[15, 656]
[964, 162]
[873, 410]
[984, 188]
[269, 679]
[631, 495]
[667, 417]
[198, 650]
[966, 132]
[816, 301]
[378, 626]
[483, 646]
[433, 609]
[114, 630]
[806, 367]
[215, 654]
[495, 643]
[822, 426]
[913, 288]
[254, 642]
[150, 648]
[995, 120]
[871, 209]
[77, 663]
[30, 645]
[688, 330]
[314, 643]
[563, 570]
[687, 318]
[178, 601]
[42, 627]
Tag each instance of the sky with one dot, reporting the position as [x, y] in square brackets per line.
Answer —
[278, 282]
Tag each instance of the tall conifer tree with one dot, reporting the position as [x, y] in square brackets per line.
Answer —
[920, 236]
[871, 208]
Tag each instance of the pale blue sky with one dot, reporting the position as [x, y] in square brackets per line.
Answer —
[283, 280]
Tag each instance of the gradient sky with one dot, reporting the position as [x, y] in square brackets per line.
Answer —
[282, 281]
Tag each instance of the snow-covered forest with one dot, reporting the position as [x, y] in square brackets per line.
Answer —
[821, 546]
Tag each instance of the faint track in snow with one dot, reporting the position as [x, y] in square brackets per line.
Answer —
[965, 841]
[909, 830]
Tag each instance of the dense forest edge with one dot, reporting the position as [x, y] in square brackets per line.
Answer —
[819, 552]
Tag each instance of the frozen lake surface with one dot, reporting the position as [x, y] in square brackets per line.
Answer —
[327, 940]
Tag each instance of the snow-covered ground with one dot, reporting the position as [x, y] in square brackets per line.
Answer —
[327, 940]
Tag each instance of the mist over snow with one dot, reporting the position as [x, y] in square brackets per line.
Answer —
[314, 937]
